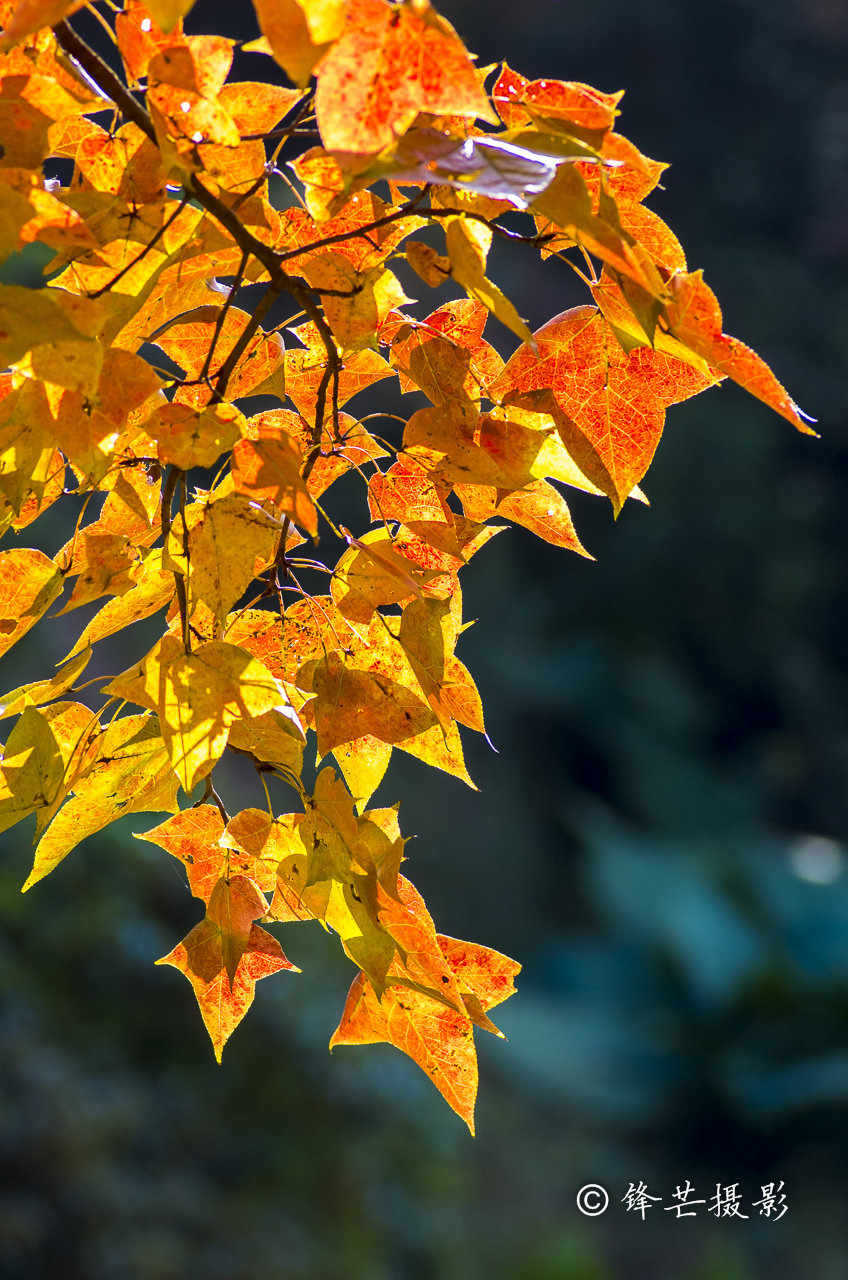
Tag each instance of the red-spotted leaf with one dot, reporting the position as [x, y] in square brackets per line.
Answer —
[614, 403]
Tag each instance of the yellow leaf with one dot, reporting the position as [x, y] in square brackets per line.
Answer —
[31, 316]
[131, 773]
[167, 13]
[371, 573]
[154, 589]
[275, 738]
[223, 548]
[299, 31]
[35, 759]
[363, 763]
[468, 259]
[41, 691]
[441, 748]
[29, 583]
[189, 437]
[198, 697]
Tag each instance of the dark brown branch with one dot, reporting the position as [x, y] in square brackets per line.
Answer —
[245, 338]
[222, 316]
[104, 77]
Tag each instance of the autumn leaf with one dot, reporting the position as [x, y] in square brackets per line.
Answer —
[29, 16]
[29, 583]
[168, 13]
[350, 703]
[446, 356]
[223, 1003]
[267, 468]
[131, 773]
[197, 697]
[468, 245]
[223, 548]
[370, 573]
[363, 763]
[38, 757]
[437, 1037]
[189, 437]
[370, 90]
[39, 692]
[300, 31]
[193, 836]
[614, 403]
[153, 590]
[489, 166]
[694, 318]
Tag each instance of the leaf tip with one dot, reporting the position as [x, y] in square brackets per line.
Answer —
[805, 418]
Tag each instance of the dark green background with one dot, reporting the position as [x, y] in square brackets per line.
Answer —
[671, 731]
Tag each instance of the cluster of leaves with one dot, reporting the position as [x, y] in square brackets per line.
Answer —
[141, 363]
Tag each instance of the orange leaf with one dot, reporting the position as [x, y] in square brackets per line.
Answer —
[446, 355]
[223, 1003]
[299, 31]
[576, 109]
[371, 88]
[614, 403]
[140, 37]
[267, 468]
[305, 371]
[694, 318]
[436, 1036]
[29, 16]
[29, 583]
[194, 837]
[256, 107]
[349, 703]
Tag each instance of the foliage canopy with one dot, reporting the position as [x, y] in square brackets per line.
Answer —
[195, 431]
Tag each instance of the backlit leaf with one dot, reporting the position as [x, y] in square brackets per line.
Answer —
[614, 404]
[223, 1004]
[467, 258]
[29, 583]
[694, 318]
[223, 548]
[41, 691]
[299, 31]
[31, 15]
[267, 468]
[198, 696]
[370, 90]
[437, 1037]
[131, 774]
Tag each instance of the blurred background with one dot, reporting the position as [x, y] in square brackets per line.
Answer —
[660, 840]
